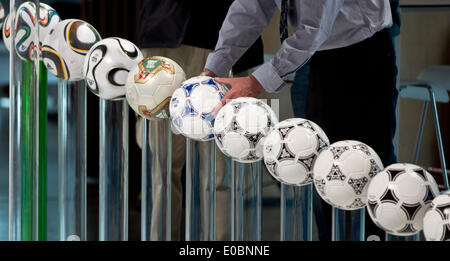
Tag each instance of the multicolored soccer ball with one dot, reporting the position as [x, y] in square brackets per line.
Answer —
[291, 149]
[6, 33]
[399, 196]
[192, 104]
[436, 222]
[65, 48]
[241, 127]
[343, 171]
[150, 86]
[2, 14]
[107, 65]
[25, 28]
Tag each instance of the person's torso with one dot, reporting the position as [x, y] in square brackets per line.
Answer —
[356, 21]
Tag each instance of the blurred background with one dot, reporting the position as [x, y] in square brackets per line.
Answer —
[424, 41]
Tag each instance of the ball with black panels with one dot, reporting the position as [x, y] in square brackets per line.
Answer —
[399, 196]
[241, 127]
[291, 149]
[26, 26]
[343, 171]
[436, 222]
[192, 104]
[107, 65]
[150, 85]
[65, 48]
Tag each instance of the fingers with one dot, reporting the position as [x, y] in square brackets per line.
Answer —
[228, 96]
[228, 81]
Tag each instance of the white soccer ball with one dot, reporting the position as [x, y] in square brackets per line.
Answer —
[241, 126]
[436, 222]
[107, 65]
[342, 173]
[291, 149]
[25, 28]
[192, 104]
[399, 196]
[150, 85]
[65, 48]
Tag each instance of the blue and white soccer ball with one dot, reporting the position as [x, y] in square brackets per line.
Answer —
[192, 104]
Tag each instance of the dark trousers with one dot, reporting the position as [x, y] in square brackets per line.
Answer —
[352, 96]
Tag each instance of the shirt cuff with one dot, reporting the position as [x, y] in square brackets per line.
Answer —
[218, 64]
[268, 77]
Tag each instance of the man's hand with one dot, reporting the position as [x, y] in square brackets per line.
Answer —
[240, 87]
[207, 72]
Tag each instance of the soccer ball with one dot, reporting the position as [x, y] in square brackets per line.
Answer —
[436, 222]
[291, 149]
[107, 65]
[65, 48]
[191, 106]
[2, 14]
[342, 173]
[241, 126]
[399, 196]
[150, 86]
[25, 28]
[6, 33]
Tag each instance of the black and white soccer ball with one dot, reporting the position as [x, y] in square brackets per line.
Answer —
[291, 149]
[342, 173]
[107, 65]
[241, 126]
[65, 47]
[436, 222]
[399, 196]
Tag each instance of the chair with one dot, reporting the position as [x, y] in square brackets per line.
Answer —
[432, 85]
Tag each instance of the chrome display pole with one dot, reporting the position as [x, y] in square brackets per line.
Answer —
[296, 213]
[72, 160]
[156, 180]
[248, 202]
[113, 188]
[200, 191]
[348, 225]
[26, 217]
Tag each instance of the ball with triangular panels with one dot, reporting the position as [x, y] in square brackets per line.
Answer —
[342, 173]
[150, 85]
[241, 127]
[192, 104]
[436, 222]
[107, 65]
[399, 196]
[25, 28]
[291, 149]
[64, 49]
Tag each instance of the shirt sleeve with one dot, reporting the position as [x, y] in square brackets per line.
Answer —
[244, 23]
[315, 22]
